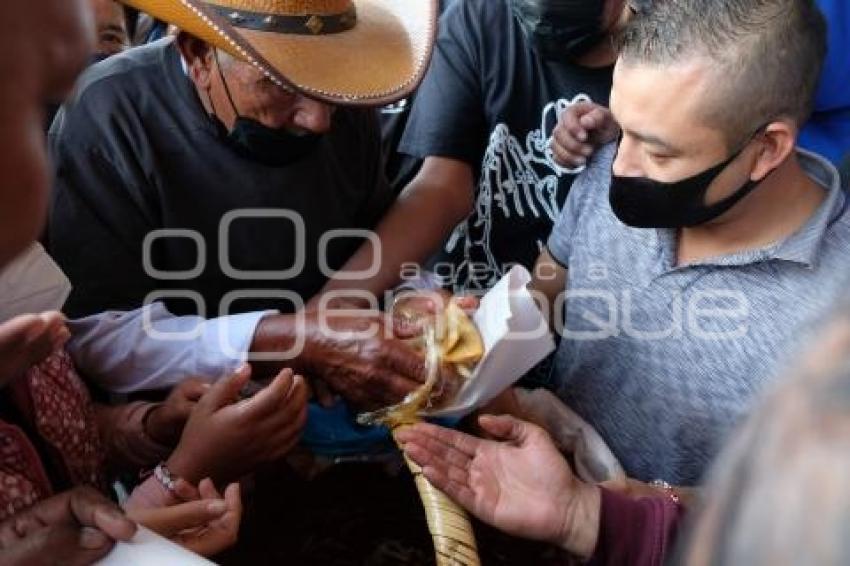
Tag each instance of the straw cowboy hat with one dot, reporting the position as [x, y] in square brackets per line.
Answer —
[353, 52]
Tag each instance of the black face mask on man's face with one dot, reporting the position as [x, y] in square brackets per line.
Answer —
[561, 29]
[273, 147]
[641, 202]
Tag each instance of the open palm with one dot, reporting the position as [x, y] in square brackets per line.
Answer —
[520, 484]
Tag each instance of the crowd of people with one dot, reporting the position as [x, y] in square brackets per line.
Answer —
[199, 255]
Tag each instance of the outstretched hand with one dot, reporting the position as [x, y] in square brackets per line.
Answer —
[518, 483]
[27, 340]
[206, 526]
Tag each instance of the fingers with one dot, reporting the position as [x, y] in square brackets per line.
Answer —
[458, 491]
[91, 509]
[581, 128]
[63, 544]
[282, 439]
[570, 120]
[273, 398]
[222, 532]
[387, 388]
[233, 498]
[226, 391]
[568, 150]
[429, 454]
[506, 428]
[169, 521]
[231, 520]
[185, 490]
[468, 303]
[31, 338]
[56, 333]
[422, 433]
[404, 362]
[602, 126]
[207, 489]
[193, 389]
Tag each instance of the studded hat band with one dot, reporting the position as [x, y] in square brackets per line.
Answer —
[310, 24]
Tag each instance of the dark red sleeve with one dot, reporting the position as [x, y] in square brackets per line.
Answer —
[637, 532]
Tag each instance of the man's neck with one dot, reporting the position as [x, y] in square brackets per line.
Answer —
[776, 209]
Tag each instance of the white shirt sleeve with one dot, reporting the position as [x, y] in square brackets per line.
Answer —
[150, 348]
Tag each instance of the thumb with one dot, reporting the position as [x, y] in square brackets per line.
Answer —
[226, 391]
[505, 428]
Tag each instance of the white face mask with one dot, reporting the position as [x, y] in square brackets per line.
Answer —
[32, 283]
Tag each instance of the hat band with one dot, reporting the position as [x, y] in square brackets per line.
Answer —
[309, 24]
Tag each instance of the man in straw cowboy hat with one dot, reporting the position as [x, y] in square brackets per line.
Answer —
[234, 159]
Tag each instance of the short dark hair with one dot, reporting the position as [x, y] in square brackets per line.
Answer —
[768, 53]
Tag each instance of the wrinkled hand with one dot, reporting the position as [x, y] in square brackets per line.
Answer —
[206, 526]
[581, 129]
[75, 528]
[358, 358]
[521, 485]
[27, 340]
[226, 438]
[412, 309]
[166, 420]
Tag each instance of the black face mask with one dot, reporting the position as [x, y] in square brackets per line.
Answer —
[645, 203]
[270, 146]
[274, 147]
[560, 29]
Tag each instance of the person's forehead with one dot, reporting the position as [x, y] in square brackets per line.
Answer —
[666, 101]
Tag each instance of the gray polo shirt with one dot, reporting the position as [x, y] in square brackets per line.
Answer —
[664, 360]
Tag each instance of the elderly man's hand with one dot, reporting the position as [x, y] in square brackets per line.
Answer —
[359, 358]
[353, 352]
[78, 527]
[520, 484]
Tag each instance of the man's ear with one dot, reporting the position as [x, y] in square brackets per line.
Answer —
[777, 142]
[199, 59]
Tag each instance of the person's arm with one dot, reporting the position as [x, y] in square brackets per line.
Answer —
[448, 130]
[128, 446]
[149, 348]
[638, 532]
[354, 354]
[139, 435]
[426, 212]
[548, 282]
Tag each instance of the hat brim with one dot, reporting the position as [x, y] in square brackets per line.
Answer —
[381, 60]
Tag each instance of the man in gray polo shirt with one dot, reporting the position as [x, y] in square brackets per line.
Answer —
[692, 268]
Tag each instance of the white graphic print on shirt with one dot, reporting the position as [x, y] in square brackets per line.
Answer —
[515, 180]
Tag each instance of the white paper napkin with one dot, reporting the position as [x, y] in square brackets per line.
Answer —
[516, 338]
[150, 549]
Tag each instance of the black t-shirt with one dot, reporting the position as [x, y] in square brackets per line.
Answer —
[490, 101]
[401, 168]
[134, 153]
